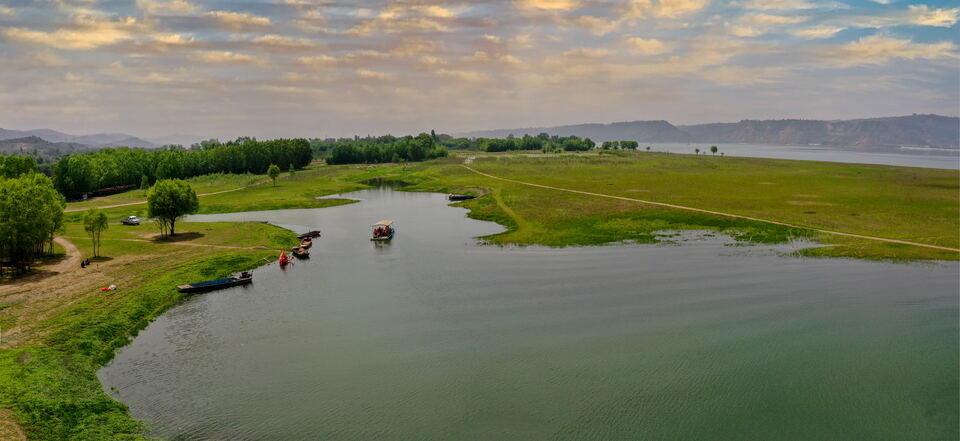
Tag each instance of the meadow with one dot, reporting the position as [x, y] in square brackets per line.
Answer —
[59, 328]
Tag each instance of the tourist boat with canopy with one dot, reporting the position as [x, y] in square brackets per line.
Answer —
[383, 230]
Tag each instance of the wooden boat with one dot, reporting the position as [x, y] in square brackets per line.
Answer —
[306, 243]
[301, 253]
[283, 260]
[460, 197]
[309, 235]
[383, 230]
[244, 279]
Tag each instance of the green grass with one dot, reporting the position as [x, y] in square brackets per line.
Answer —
[913, 204]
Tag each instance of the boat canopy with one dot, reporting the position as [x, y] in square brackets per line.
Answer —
[383, 223]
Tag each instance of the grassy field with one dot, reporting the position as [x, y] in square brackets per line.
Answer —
[59, 328]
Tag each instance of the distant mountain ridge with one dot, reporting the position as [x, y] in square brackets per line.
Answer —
[914, 131]
[94, 140]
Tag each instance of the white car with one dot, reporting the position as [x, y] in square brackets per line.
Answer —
[132, 220]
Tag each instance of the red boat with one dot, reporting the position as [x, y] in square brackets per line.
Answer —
[284, 260]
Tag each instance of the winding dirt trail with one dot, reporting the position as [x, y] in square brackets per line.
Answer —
[718, 213]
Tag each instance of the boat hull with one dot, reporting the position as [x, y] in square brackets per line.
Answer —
[214, 285]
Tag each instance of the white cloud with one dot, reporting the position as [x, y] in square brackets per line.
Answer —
[85, 33]
[647, 46]
[550, 5]
[238, 21]
[155, 7]
[368, 74]
[4, 10]
[878, 49]
[923, 15]
[225, 58]
[822, 31]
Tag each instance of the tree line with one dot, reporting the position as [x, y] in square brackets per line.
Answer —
[373, 150]
[543, 142]
[77, 174]
[31, 212]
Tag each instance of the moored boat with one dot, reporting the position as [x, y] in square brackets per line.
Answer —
[460, 197]
[306, 243]
[383, 230]
[245, 278]
[309, 235]
[301, 253]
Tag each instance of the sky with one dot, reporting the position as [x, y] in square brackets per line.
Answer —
[316, 68]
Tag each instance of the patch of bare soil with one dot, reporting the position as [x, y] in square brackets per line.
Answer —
[9, 429]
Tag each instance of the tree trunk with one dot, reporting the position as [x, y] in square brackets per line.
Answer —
[172, 221]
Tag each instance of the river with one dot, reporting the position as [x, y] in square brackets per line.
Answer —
[434, 337]
[907, 157]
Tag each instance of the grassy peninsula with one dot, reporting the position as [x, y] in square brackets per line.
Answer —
[58, 328]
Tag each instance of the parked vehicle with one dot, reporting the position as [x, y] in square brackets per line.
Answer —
[131, 220]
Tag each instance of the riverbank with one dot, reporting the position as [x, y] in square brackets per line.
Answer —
[57, 334]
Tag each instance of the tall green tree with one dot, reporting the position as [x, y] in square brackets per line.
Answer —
[31, 212]
[144, 183]
[713, 149]
[94, 222]
[274, 172]
[170, 199]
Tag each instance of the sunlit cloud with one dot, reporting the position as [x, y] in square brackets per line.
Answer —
[155, 7]
[238, 21]
[647, 46]
[817, 31]
[224, 58]
[878, 49]
[84, 33]
[923, 15]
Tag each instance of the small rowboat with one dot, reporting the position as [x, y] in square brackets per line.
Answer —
[301, 253]
[244, 279]
[460, 197]
[306, 243]
[309, 235]
[383, 230]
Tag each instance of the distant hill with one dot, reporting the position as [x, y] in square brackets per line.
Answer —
[914, 130]
[45, 152]
[95, 140]
[184, 140]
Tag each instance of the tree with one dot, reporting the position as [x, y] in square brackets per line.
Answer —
[94, 222]
[696, 151]
[31, 212]
[713, 149]
[648, 148]
[168, 200]
[274, 172]
[292, 169]
[144, 183]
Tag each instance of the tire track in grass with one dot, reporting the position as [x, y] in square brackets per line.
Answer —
[718, 213]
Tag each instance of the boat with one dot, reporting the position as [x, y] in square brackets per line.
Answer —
[244, 279]
[383, 230]
[301, 253]
[283, 260]
[460, 197]
[309, 235]
[306, 243]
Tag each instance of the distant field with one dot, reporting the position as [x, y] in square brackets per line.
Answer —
[913, 204]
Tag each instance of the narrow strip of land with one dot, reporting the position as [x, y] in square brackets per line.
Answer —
[718, 213]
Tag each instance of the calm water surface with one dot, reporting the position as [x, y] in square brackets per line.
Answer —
[433, 337]
[927, 158]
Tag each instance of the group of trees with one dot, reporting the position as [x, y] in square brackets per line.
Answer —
[78, 174]
[372, 150]
[168, 200]
[31, 212]
[619, 145]
[542, 142]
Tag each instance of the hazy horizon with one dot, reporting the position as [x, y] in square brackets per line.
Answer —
[290, 68]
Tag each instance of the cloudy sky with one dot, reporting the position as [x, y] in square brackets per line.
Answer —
[271, 68]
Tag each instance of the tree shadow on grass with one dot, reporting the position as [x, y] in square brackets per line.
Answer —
[179, 237]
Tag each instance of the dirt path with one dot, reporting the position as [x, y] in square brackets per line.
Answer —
[9, 429]
[718, 213]
[125, 204]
